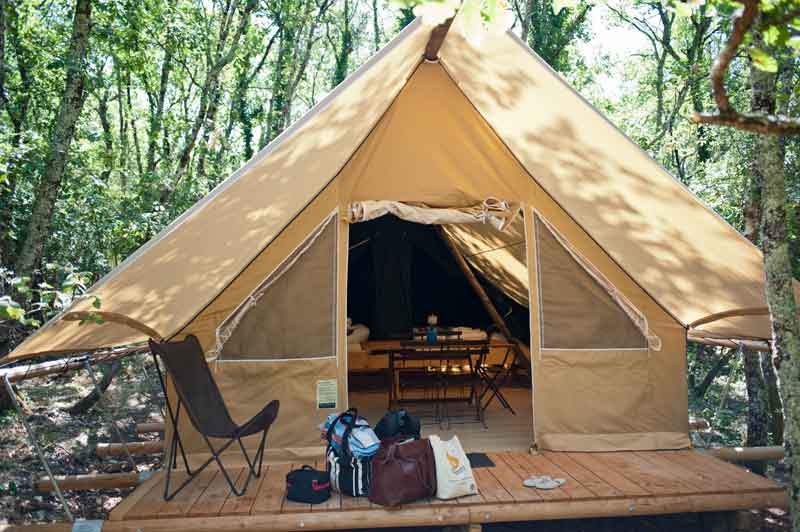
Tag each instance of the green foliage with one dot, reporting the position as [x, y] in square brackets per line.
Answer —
[779, 24]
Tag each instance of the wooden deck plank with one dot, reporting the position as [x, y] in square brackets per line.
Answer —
[512, 483]
[596, 482]
[273, 487]
[183, 501]
[653, 477]
[490, 488]
[686, 475]
[524, 467]
[150, 503]
[583, 475]
[572, 487]
[608, 473]
[720, 483]
[242, 505]
[210, 503]
[121, 510]
[355, 503]
[722, 472]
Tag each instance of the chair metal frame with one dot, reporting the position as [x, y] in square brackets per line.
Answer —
[171, 462]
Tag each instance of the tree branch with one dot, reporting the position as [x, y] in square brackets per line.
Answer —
[741, 25]
[754, 123]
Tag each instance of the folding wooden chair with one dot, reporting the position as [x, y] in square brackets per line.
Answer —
[199, 395]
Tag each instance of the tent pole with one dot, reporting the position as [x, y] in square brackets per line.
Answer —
[436, 40]
[483, 296]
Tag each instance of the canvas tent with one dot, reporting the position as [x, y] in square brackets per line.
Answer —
[614, 258]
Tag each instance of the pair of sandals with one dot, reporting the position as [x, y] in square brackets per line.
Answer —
[543, 482]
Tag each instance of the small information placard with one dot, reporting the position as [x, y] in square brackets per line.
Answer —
[327, 392]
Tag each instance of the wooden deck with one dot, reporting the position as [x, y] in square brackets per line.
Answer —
[598, 485]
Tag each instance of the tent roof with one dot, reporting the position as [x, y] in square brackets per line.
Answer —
[651, 225]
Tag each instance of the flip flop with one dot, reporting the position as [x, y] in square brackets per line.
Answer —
[543, 482]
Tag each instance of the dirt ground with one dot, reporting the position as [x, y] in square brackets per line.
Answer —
[69, 441]
[135, 397]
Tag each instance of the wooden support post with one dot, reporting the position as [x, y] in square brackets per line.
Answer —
[91, 482]
[28, 371]
[484, 298]
[137, 447]
[146, 428]
[747, 454]
[698, 423]
[436, 40]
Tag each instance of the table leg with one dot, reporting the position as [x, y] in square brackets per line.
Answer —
[391, 380]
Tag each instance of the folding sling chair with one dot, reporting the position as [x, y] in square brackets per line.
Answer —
[199, 395]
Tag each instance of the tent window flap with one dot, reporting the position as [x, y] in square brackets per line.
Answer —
[580, 308]
[291, 314]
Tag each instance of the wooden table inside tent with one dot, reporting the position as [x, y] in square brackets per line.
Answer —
[468, 356]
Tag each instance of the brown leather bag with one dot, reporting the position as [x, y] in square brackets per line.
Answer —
[402, 472]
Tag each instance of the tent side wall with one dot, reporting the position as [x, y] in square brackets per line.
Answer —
[601, 400]
[248, 385]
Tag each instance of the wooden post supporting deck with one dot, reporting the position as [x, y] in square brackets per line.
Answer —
[91, 482]
[136, 447]
[145, 428]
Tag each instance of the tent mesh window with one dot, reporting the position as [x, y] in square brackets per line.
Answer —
[579, 308]
[291, 315]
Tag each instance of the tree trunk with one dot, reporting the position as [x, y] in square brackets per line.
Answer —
[158, 113]
[345, 48]
[223, 55]
[757, 434]
[5, 399]
[376, 28]
[757, 402]
[17, 110]
[109, 372]
[279, 88]
[779, 289]
[208, 128]
[701, 390]
[63, 133]
[773, 399]
[108, 139]
[134, 130]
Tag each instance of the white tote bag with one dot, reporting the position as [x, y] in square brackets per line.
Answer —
[454, 476]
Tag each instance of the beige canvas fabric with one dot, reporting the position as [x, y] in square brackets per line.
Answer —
[576, 311]
[615, 399]
[679, 250]
[498, 255]
[292, 314]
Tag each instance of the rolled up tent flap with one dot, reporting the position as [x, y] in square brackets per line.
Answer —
[498, 213]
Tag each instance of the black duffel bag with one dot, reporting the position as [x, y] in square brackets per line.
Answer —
[398, 423]
[308, 485]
